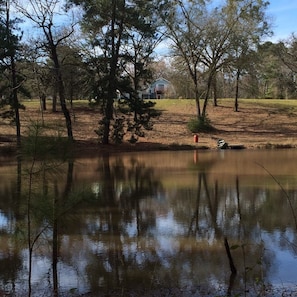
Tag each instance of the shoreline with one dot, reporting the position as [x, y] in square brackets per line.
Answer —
[82, 148]
[260, 124]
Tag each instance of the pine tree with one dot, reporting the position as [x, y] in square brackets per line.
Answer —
[9, 48]
[115, 27]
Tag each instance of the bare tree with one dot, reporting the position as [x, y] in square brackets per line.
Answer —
[287, 53]
[251, 24]
[183, 31]
[206, 37]
[44, 13]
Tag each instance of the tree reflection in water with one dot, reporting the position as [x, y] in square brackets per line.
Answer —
[121, 226]
[46, 205]
[128, 224]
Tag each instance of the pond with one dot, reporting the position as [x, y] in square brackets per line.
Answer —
[150, 224]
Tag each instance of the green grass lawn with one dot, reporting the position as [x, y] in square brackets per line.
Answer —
[173, 104]
[281, 104]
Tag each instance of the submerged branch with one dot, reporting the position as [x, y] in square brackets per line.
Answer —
[231, 262]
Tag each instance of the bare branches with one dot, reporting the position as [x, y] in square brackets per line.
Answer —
[44, 13]
[48, 16]
[39, 12]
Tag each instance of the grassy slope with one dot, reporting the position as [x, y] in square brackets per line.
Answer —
[259, 122]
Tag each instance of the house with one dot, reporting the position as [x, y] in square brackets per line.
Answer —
[159, 89]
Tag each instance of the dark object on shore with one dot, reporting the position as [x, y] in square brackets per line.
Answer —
[222, 144]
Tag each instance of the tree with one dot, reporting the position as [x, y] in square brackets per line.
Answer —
[286, 51]
[73, 70]
[206, 37]
[42, 13]
[250, 25]
[181, 21]
[112, 27]
[38, 78]
[104, 20]
[135, 67]
[10, 43]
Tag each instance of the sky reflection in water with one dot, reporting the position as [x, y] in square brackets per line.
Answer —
[144, 221]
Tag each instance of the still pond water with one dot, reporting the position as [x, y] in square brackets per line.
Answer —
[150, 223]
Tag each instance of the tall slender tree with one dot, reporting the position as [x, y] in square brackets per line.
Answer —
[42, 13]
[181, 21]
[10, 43]
[250, 26]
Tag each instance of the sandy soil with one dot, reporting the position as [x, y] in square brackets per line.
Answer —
[252, 126]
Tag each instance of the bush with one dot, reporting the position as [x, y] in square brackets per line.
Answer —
[200, 124]
[118, 130]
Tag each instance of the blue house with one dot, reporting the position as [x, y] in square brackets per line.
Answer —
[159, 89]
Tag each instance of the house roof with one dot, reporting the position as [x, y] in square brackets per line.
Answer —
[160, 80]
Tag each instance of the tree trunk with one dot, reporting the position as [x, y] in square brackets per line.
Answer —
[16, 102]
[43, 101]
[207, 94]
[215, 93]
[197, 100]
[54, 106]
[115, 45]
[108, 112]
[237, 90]
[61, 91]
[107, 120]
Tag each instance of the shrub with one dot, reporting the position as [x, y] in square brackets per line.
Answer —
[118, 130]
[200, 124]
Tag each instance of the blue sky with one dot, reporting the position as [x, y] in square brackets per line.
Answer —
[284, 18]
[283, 14]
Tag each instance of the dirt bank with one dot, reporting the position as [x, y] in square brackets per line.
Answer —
[254, 126]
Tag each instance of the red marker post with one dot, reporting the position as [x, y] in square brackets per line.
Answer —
[196, 138]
